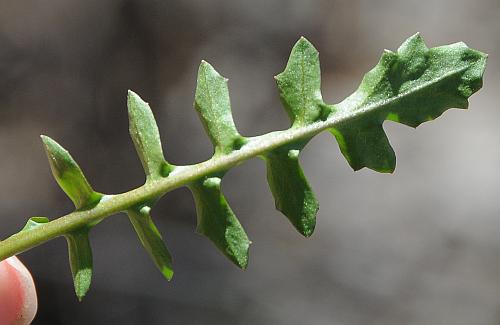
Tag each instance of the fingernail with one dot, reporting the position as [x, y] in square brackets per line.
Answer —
[18, 301]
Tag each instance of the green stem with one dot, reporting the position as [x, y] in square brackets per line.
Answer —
[180, 176]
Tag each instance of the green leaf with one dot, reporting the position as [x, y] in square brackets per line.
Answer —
[34, 222]
[69, 175]
[300, 92]
[411, 86]
[151, 239]
[365, 144]
[80, 258]
[217, 221]
[71, 179]
[146, 137]
[214, 108]
[300, 85]
[292, 194]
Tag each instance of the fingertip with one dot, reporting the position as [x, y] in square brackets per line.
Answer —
[18, 300]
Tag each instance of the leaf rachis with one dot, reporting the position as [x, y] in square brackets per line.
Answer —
[413, 85]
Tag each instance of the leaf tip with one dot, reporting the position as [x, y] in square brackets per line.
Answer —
[307, 232]
[131, 95]
[81, 293]
[205, 65]
[242, 261]
[47, 142]
[134, 101]
[46, 139]
[304, 41]
[51, 146]
[472, 79]
[209, 71]
[206, 72]
[167, 273]
[303, 45]
[415, 36]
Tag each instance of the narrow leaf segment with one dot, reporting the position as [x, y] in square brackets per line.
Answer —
[71, 179]
[151, 239]
[410, 86]
[213, 105]
[300, 92]
[216, 219]
[292, 193]
[300, 85]
[69, 175]
[146, 137]
[80, 258]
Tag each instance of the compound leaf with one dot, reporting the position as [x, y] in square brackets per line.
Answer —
[413, 85]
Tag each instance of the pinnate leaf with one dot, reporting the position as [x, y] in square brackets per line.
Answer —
[410, 86]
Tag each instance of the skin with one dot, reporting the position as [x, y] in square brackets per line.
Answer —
[18, 301]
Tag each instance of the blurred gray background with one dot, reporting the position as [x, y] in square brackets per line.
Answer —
[417, 247]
